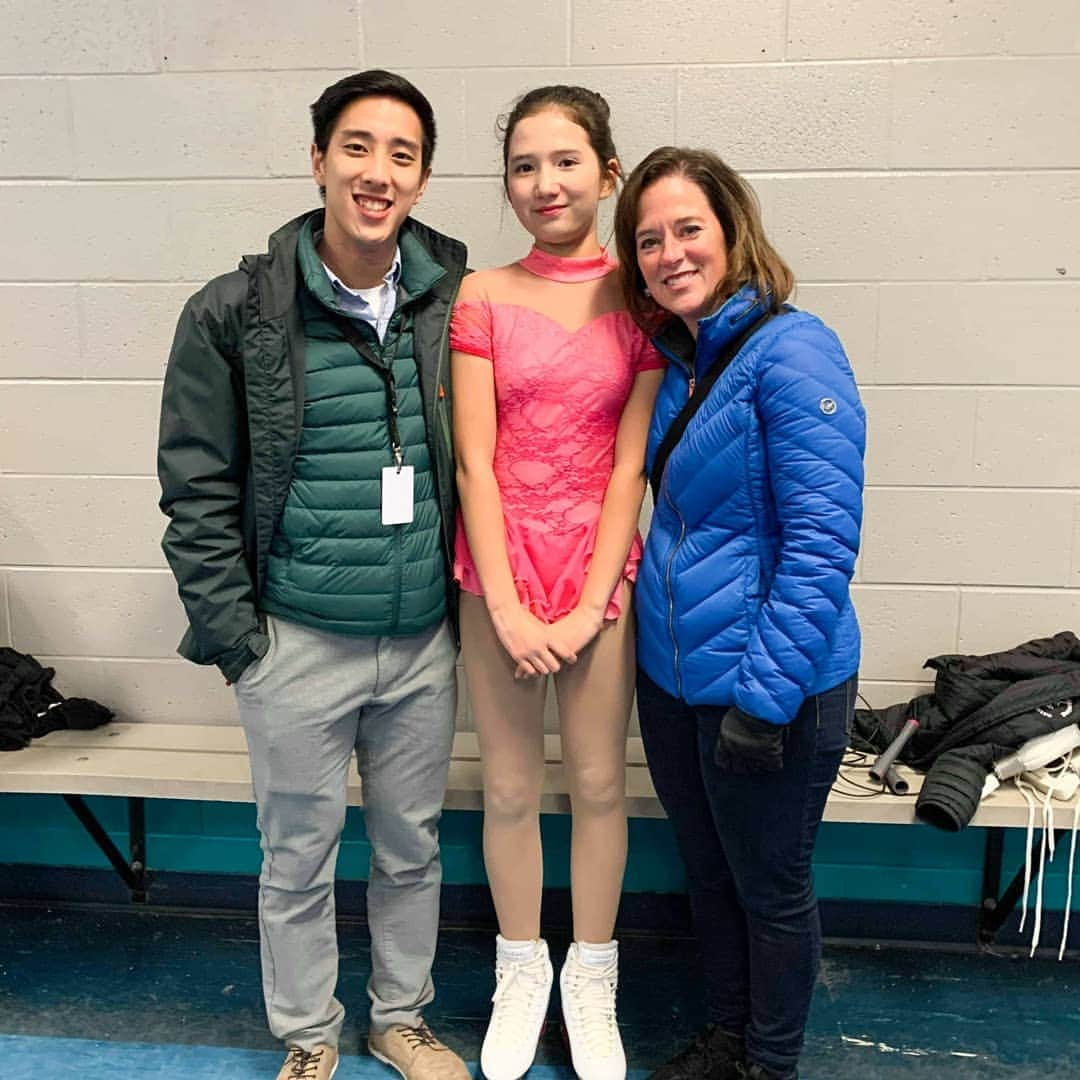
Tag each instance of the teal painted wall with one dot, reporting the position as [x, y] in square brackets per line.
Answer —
[854, 862]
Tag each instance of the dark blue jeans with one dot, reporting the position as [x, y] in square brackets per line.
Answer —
[747, 841]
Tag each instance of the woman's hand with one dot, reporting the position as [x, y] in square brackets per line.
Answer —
[526, 639]
[746, 744]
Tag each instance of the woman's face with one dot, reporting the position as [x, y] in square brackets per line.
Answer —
[555, 182]
[681, 248]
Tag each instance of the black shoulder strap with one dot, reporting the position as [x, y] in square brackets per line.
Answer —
[697, 399]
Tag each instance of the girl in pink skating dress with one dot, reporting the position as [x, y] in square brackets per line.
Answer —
[553, 390]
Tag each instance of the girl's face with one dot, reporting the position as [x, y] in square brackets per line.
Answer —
[555, 182]
[681, 248]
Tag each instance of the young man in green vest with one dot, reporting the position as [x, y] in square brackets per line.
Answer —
[306, 468]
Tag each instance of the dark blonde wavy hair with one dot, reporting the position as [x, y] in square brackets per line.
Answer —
[750, 257]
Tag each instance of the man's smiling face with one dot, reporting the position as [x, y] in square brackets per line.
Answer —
[373, 176]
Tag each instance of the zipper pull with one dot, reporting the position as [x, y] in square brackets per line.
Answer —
[691, 385]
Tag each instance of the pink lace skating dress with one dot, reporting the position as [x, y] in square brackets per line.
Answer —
[559, 396]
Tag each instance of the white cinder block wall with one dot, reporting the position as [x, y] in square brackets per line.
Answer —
[918, 162]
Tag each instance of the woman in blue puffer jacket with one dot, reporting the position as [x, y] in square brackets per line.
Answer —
[748, 645]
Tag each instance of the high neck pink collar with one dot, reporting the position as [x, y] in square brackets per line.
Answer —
[561, 268]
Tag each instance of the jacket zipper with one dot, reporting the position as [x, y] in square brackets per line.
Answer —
[389, 353]
[682, 535]
[670, 595]
[399, 558]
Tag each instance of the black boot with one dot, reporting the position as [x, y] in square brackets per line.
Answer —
[759, 1072]
[713, 1055]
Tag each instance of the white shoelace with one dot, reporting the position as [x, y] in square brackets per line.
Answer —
[1037, 800]
[1046, 847]
[519, 986]
[593, 1004]
[1072, 864]
[1029, 797]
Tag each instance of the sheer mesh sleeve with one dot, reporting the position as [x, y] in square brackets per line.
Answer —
[648, 358]
[470, 328]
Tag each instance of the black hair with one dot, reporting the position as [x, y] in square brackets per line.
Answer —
[586, 108]
[374, 83]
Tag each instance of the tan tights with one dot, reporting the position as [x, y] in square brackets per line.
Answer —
[594, 696]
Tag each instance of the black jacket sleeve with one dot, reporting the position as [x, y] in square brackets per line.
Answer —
[952, 789]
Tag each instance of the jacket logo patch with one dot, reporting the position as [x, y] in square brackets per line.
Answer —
[827, 406]
[1057, 710]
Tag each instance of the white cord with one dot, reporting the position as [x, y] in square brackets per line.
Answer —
[1072, 862]
[1048, 820]
[1047, 843]
[1029, 798]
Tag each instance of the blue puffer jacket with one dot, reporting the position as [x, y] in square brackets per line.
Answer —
[742, 594]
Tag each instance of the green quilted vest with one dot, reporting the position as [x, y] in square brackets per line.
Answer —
[333, 565]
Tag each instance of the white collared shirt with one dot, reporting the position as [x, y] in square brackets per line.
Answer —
[375, 305]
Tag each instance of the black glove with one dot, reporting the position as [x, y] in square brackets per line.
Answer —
[749, 745]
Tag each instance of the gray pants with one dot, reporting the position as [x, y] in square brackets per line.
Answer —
[305, 705]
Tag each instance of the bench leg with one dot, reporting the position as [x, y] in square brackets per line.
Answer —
[133, 873]
[137, 846]
[991, 884]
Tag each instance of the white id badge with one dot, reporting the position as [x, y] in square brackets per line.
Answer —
[397, 495]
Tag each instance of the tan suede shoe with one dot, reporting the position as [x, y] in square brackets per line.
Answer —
[318, 1064]
[416, 1053]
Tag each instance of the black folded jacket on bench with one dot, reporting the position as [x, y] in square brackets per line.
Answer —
[30, 706]
[982, 709]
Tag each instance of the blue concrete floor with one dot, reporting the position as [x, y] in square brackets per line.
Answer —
[109, 992]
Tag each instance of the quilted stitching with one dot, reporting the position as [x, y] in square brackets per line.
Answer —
[767, 482]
